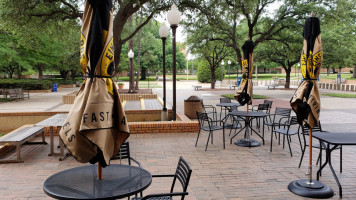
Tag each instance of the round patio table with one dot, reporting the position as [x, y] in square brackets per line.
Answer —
[248, 117]
[81, 182]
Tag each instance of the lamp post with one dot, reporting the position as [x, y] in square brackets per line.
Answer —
[131, 55]
[222, 66]
[229, 62]
[173, 16]
[163, 33]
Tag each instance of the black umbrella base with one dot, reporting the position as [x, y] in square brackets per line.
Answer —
[247, 143]
[316, 190]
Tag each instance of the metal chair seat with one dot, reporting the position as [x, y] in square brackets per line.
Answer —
[154, 198]
[212, 128]
[285, 131]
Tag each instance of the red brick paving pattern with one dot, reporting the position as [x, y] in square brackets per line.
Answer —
[233, 173]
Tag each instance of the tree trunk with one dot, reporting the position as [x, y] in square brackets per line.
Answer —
[287, 84]
[19, 72]
[143, 73]
[40, 71]
[354, 71]
[212, 78]
[139, 55]
[327, 71]
[339, 70]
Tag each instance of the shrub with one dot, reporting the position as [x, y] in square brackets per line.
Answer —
[26, 84]
[204, 73]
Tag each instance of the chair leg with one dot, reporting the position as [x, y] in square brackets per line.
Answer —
[290, 150]
[197, 138]
[271, 141]
[341, 159]
[207, 142]
[224, 137]
[212, 137]
[284, 140]
[301, 158]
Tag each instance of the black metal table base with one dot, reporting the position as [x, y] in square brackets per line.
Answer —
[247, 143]
[315, 189]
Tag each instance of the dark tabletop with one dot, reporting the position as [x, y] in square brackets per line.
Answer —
[249, 114]
[228, 104]
[336, 138]
[81, 182]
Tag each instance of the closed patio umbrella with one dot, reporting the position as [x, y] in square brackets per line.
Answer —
[244, 91]
[306, 103]
[96, 125]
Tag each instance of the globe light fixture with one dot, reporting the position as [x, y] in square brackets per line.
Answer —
[229, 62]
[131, 55]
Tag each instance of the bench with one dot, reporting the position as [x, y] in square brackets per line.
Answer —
[21, 136]
[17, 93]
[234, 86]
[196, 87]
[272, 85]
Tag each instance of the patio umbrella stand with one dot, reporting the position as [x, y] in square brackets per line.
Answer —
[306, 104]
[244, 92]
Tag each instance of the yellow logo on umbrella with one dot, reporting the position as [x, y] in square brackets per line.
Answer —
[83, 54]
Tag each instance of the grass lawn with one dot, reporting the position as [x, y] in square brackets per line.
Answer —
[340, 95]
[255, 96]
[2, 134]
[334, 76]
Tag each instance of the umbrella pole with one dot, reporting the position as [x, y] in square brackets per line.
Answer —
[100, 172]
[310, 155]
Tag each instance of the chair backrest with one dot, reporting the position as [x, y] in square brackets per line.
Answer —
[294, 120]
[282, 112]
[225, 100]
[269, 103]
[183, 174]
[203, 118]
[124, 152]
[262, 107]
[316, 128]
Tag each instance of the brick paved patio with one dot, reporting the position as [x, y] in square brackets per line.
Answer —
[233, 173]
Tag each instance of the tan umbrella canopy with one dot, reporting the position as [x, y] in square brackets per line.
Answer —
[96, 125]
[244, 91]
[306, 99]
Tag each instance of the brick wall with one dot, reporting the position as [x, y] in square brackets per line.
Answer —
[182, 125]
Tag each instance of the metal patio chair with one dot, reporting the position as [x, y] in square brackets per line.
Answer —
[124, 153]
[209, 125]
[305, 132]
[287, 131]
[280, 117]
[182, 174]
[225, 109]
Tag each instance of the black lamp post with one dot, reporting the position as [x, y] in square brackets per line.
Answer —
[173, 17]
[131, 55]
[163, 33]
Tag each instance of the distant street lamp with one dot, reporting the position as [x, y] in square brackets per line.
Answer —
[163, 33]
[174, 16]
[222, 66]
[229, 62]
[131, 55]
